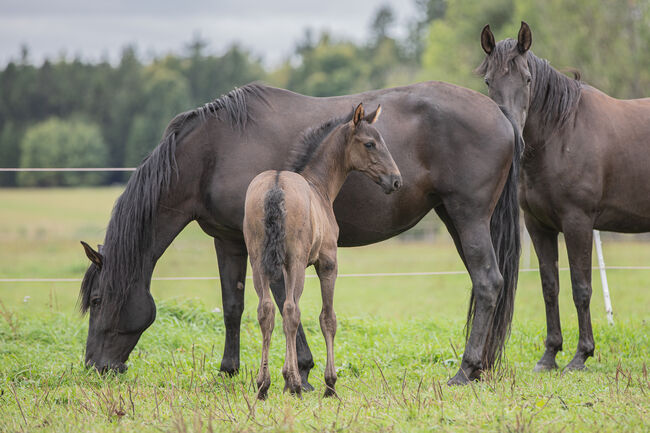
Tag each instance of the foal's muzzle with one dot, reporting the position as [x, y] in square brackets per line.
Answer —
[391, 183]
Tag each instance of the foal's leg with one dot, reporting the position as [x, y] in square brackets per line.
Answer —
[545, 243]
[579, 239]
[266, 319]
[295, 280]
[305, 358]
[231, 256]
[487, 282]
[326, 268]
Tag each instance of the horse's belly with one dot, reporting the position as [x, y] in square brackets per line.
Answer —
[624, 220]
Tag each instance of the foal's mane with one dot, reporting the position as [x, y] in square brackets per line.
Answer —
[554, 94]
[310, 140]
[130, 233]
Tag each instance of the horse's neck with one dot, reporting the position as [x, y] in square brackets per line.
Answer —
[168, 223]
[327, 169]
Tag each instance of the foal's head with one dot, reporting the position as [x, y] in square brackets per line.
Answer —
[507, 73]
[367, 152]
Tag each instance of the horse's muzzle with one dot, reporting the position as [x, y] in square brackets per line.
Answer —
[391, 183]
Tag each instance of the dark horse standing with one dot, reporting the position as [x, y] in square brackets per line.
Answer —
[455, 150]
[585, 165]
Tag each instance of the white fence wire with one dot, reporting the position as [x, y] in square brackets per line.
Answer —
[526, 250]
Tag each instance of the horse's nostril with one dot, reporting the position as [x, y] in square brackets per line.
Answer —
[397, 184]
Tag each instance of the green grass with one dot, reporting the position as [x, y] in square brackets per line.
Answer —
[399, 340]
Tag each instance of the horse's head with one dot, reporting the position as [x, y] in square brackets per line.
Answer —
[506, 72]
[367, 151]
[118, 315]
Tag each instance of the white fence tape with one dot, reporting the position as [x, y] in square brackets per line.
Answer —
[367, 275]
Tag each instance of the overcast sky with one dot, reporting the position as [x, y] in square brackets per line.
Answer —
[98, 29]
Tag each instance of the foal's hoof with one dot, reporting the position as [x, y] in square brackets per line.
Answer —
[293, 390]
[262, 394]
[544, 366]
[329, 392]
[304, 378]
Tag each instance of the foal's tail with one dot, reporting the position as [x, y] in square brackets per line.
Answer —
[274, 248]
[504, 228]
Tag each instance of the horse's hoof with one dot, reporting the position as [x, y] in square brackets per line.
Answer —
[306, 386]
[575, 365]
[543, 366]
[329, 392]
[459, 379]
[228, 367]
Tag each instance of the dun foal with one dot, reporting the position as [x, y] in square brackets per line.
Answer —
[289, 224]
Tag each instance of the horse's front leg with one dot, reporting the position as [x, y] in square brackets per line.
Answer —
[545, 243]
[578, 234]
[326, 268]
[231, 256]
[305, 358]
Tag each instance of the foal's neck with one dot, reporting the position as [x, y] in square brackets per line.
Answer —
[328, 167]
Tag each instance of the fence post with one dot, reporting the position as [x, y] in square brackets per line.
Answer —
[603, 277]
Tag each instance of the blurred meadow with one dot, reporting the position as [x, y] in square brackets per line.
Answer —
[399, 340]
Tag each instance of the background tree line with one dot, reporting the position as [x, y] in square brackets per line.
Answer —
[74, 113]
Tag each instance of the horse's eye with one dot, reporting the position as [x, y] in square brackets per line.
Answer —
[95, 302]
[369, 145]
[528, 80]
[487, 82]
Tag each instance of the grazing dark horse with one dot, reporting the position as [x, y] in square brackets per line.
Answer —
[289, 224]
[585, 167]
[457, 153]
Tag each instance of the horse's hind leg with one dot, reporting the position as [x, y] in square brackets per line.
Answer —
[579, 238]
[327, 269]
[266, 319]
[295, 280]
[231, 256]
[545, 243]
[305, 358]
[480, 260]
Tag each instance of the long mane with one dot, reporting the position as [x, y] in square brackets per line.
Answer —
[554, 95]
[130, 232]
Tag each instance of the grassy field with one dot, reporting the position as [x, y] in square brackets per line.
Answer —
[399, 340]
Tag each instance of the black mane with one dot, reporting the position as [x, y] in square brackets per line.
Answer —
[130, 232]
[554, 94]
[309, 141]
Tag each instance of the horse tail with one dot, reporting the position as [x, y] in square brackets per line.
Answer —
[505, 233]
[274, 248]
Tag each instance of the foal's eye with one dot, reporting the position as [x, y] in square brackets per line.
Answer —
[369, 145]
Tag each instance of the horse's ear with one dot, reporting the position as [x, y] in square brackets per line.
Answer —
[372, 117]
[358, 114]
[524, 38]
[93, 255]
[487, 39]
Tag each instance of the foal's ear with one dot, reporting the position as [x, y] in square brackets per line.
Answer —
[93, 255]
[524, 38]
[372, 117]
[358, 114]
[487, 40]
